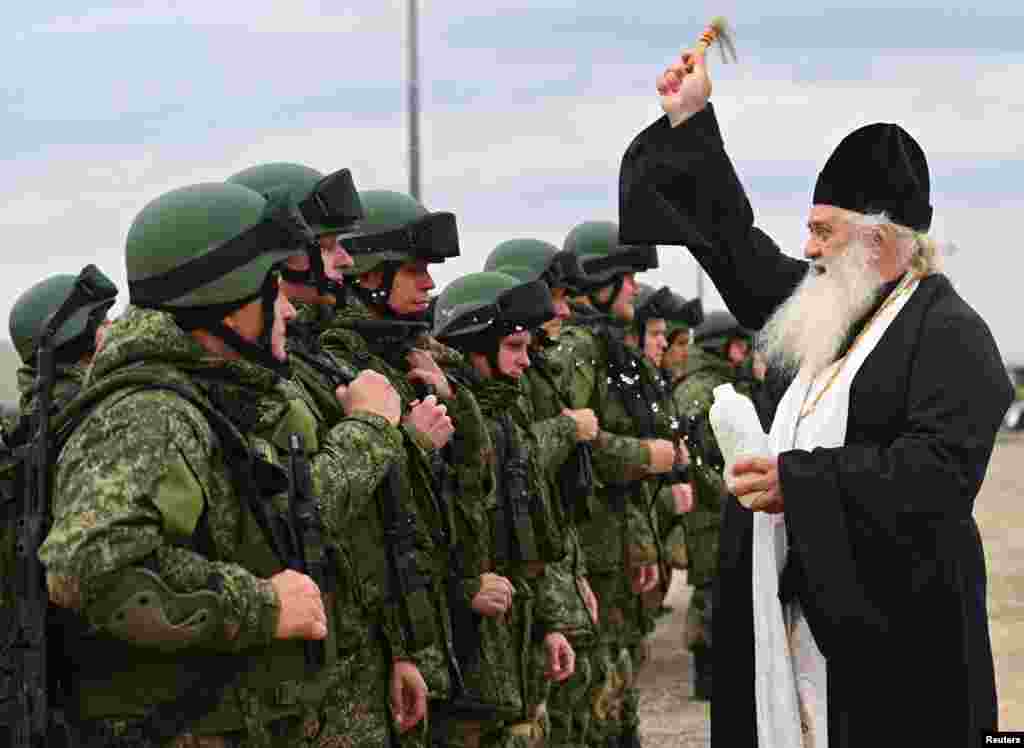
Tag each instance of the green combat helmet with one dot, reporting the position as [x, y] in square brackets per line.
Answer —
[717, 329]
[604, 260]
[476, 311]
[533, 259]
[201, 252]
[664, 303]
[397, 229]
[329, 204]
[74, 338]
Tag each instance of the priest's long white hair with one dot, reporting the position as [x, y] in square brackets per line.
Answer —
[805, 333]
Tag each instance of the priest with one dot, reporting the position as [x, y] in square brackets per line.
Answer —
[852, 602]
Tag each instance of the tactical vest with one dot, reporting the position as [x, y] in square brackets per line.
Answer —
[274, 679]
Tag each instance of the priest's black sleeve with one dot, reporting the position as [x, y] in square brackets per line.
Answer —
[677, 185]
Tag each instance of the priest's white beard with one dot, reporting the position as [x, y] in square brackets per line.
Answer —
[805, 333]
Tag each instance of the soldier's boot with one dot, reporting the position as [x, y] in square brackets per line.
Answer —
[701, 673]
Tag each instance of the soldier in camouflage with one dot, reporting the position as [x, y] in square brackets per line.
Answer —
[722, 346]
[656, 309]
[673, 368]
[489, 317]
[382, 328]
[635, 442]
[566, 602]
[170, 500]
[77, 340]
[357, 702]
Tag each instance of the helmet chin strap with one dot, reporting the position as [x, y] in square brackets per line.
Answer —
[315, 276]
[260, 352]
[606, 307]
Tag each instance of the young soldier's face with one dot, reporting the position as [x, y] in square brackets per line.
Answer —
[247, 321]
[560, 300]
[334, 256]
[678, 352]
[513, 354]
[655, 342]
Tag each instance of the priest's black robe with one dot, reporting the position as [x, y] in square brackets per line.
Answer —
[885, 558]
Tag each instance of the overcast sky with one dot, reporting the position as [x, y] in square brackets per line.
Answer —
[527, 109]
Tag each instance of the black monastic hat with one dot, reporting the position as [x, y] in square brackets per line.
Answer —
[878, 168]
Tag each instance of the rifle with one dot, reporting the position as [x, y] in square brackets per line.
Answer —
[29, 644]
[309, 553]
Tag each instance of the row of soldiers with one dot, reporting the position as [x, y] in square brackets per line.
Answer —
[288, 510]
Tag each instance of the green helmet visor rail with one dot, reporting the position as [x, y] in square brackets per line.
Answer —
[333, 205]
[520, 309]
[434, 237]
[282, 230]
[671, 307]
[629, 258]
[75, 316]
[565, 271]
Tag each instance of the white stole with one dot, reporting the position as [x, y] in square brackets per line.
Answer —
[790, 673]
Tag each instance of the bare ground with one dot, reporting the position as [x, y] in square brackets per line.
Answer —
[671, 720]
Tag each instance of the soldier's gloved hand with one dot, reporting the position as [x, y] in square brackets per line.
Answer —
[371, 392]
[684, 87]
[561, 657]
[663, 455]
[408, 695]
[423, 368]
[589, 598]
[431, 419]
[644, 578]
[586, 423]
[302, 613]
[682, 493]
[494, 597]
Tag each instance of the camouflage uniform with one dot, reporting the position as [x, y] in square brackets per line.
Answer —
[435, 533]
[693, 396]
[569, 711]
[144, 496]
[618, 533]
[358, 700]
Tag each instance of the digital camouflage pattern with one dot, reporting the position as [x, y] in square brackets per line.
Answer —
[549, 442]
[434, 519]
[69, 380]
[495, 658]
[568, 708]
[693, 394]
[131, 485]
[613, 542]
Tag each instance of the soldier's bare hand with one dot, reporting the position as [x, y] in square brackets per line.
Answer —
[371, 392]
[682, 454]
[423, 368]
[682, 495]
[302, 613]
[644, 578]
[685, 87]
[589, 598]
[408, 695]
[663, 456]
[586, 423]
[755, 482]
[430, 418]
[495, 595]
[561, 657]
